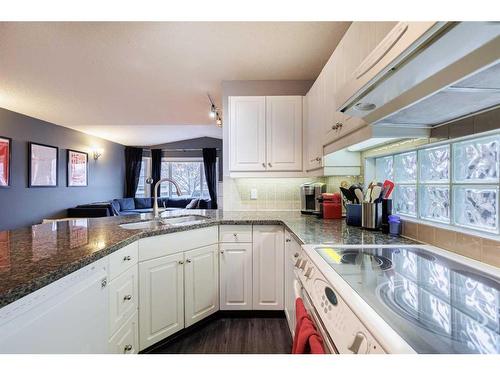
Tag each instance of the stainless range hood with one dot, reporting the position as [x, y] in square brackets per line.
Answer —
[451, 71]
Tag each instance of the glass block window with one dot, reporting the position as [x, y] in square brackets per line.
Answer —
[434, 203]
[405, 168]
[476, 207]
[405, 200]
[435, 164]
[455, 183]
[476, 160]
[384, 168]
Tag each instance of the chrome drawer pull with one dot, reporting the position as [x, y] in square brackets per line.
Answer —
[128, 297]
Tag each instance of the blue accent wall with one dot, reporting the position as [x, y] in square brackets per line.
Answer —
[22, 206]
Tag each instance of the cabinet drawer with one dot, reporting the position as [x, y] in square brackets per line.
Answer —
[235, 233]
[167, 244]
[123, 259]
[126, 339]
[123, 298]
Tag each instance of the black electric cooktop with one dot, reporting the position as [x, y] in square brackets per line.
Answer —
[435, 304]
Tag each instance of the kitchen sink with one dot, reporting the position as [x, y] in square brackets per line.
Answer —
[153, 224]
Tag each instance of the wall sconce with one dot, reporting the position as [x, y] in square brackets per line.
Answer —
[96, 153]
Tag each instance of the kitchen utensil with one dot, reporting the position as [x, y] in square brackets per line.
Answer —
[359, 194]
[388, 188]
[347, 194]
[353, 194]
[375, 194]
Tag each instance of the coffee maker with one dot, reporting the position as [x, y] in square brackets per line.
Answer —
[309, 194]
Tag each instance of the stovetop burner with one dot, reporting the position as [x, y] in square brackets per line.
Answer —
[436, 304]
[365, 260]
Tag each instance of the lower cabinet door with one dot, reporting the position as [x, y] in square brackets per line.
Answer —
[161, 298]
[268, 267]
[123, 298]
[126, 339]
[201, 283]
[235, 276]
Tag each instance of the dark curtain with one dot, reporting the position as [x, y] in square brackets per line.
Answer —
[155, 168]
[133, 159]
[210, 164]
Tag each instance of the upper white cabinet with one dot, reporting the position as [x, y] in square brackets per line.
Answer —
[314, 126]
[247, 133]
[161, 304]
[284, 133]
[201, 283]
[265, 133]
[268, 267]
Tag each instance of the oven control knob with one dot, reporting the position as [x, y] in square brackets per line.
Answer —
[360, 344]
[308, 273]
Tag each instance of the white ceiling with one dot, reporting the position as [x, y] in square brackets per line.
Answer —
[145, 83]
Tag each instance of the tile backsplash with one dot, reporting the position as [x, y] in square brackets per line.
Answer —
[475, 247]
[273, 193]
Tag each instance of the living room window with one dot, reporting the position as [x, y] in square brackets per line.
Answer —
[143, 190]
[188, 173]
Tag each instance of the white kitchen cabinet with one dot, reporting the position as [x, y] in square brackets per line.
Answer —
[126, 339]
[123, 298]
[265, 133]
[247, 133]
[292, 250]
[161, 303]
[201, 283]
[314, 126]
[68, 316]
[284, 133]
[235, 276]
[268, 267]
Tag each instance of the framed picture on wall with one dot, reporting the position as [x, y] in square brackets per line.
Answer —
[77, 168]
[43, 165]
[5, 156]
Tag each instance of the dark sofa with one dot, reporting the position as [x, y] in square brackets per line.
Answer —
[132, 206]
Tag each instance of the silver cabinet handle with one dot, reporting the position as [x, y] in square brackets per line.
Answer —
[264, 165]
[104, 282]
[127, 348]
[318, 158]
[128, 257]
[235, 235]
[270, 165]
[188, 260]
[181, 262]
[296, 255]
[222, 251]
[128, 297]
[288, 240]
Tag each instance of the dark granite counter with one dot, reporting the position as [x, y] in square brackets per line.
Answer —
[31, 258]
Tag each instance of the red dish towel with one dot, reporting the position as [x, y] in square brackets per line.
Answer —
[307, 340]
[300, 314]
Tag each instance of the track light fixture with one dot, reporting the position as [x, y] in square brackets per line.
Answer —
[215, 112]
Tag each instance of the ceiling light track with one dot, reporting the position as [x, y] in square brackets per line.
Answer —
[215, 112]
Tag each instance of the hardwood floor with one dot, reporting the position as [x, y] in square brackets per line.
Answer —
[232, 335]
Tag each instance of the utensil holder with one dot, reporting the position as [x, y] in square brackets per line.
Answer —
[386, 211]
[353, 214]
[371, 215]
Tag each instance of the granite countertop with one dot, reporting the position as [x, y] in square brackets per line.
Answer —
[31, 258]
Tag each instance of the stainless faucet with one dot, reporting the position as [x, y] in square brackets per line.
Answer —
[155, 203]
